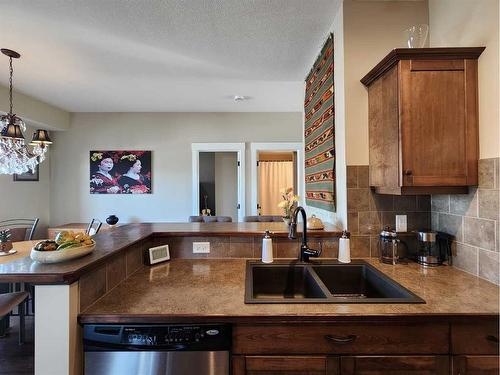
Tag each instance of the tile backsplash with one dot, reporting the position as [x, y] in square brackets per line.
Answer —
[474, 221]
[369, 212]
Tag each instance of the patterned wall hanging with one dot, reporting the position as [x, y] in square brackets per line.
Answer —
[320, 132]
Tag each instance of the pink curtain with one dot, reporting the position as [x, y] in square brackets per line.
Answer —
[273, 176]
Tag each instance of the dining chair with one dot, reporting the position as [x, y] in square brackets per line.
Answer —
[210, 219]
[262, 219]
[8, 302]
[93, 227]
[20, 229]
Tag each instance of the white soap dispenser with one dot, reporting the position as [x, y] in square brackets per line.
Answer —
[267, 248]
[344, 248]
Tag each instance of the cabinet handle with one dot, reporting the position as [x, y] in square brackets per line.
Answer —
[408, 172]
[492, 339]
[341, 339]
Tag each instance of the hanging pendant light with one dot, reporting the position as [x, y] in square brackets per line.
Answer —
[15, 156]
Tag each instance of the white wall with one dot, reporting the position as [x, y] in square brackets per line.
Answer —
[169, 136]
[340, 216]
[30, 199]
[35, 112]
[371, 30]
[226, 184]
[473, 23]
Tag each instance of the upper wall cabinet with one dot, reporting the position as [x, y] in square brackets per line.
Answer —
[423, 121]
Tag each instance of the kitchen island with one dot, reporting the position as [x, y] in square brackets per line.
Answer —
[112, 285]
[63, 290]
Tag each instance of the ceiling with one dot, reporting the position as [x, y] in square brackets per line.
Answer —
[164, 55]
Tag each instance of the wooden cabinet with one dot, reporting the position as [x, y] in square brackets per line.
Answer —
[396, 365]
[285, 365]
[397, 338]
[475, 365]
[396, 348]
[423, 121]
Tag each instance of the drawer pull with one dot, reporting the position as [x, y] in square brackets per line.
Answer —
[341, 339]
[492, 339]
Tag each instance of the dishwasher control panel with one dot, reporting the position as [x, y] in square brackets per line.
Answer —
[175, 337]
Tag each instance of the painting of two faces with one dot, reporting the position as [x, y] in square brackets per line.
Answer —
[120, 172]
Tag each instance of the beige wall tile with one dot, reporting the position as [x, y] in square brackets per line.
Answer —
[352, 176]
[435, 221]
[423, 202]
[440, 203]
[363, 176]
[352, 222]
[381, 202]
[369, 222]
[417, 220]
[330, 248]
[116, 271]
[488, 204]
[405, 203]
[464, 204]
[241, 247]
[92, 286]
[466, 258]
[479, 232]
[360, 246]
[451, 224]
[487, 173]
[489, 265]
[358, 199]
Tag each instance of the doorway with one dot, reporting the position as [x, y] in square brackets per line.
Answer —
[275, 166]
[276, 171]
[218, 180]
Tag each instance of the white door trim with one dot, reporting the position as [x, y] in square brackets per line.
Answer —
[239, 148]
[275, 146]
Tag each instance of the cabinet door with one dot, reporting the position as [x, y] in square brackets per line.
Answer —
[476, 365]
[438, 115]
[285, 365]
[396, 365]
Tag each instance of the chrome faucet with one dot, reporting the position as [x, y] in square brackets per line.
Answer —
[305, 251]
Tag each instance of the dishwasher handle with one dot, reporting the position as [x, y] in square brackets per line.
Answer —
[97, 346]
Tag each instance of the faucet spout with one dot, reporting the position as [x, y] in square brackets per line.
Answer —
[305, 251]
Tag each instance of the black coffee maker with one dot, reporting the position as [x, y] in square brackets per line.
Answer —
[434, 248]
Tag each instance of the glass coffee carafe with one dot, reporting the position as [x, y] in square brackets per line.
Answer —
[391, 249]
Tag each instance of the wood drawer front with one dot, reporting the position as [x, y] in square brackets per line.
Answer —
[481, 338]
[395, 365]
[345, 339]
[476, 365]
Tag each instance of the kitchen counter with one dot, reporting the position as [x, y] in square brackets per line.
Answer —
[115, 240]
[214, 290]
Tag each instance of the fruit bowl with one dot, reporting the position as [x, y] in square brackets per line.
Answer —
[62, 255]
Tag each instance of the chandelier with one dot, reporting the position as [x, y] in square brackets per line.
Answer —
[15, 156]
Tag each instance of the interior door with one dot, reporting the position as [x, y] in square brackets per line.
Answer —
[434, 123]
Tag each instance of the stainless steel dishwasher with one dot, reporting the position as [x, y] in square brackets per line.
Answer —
[201, 349]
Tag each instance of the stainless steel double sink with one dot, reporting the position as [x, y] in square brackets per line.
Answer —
[322, 282]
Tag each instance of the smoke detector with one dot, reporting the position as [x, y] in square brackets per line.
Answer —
[239, 98]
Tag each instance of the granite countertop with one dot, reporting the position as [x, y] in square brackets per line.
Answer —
[115, 240]
[214, 289]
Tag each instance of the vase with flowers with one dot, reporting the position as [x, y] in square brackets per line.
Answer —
[288, 203]
[5, 242]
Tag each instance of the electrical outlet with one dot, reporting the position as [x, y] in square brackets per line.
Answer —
[401, 223]
[201, 247]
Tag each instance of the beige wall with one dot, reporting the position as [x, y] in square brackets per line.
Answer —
[471, 23]
[371, 30]
[35, 112]
[169, 136]
[29, 199]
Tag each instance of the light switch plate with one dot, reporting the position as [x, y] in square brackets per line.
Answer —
[401, 223]
[201, 247]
